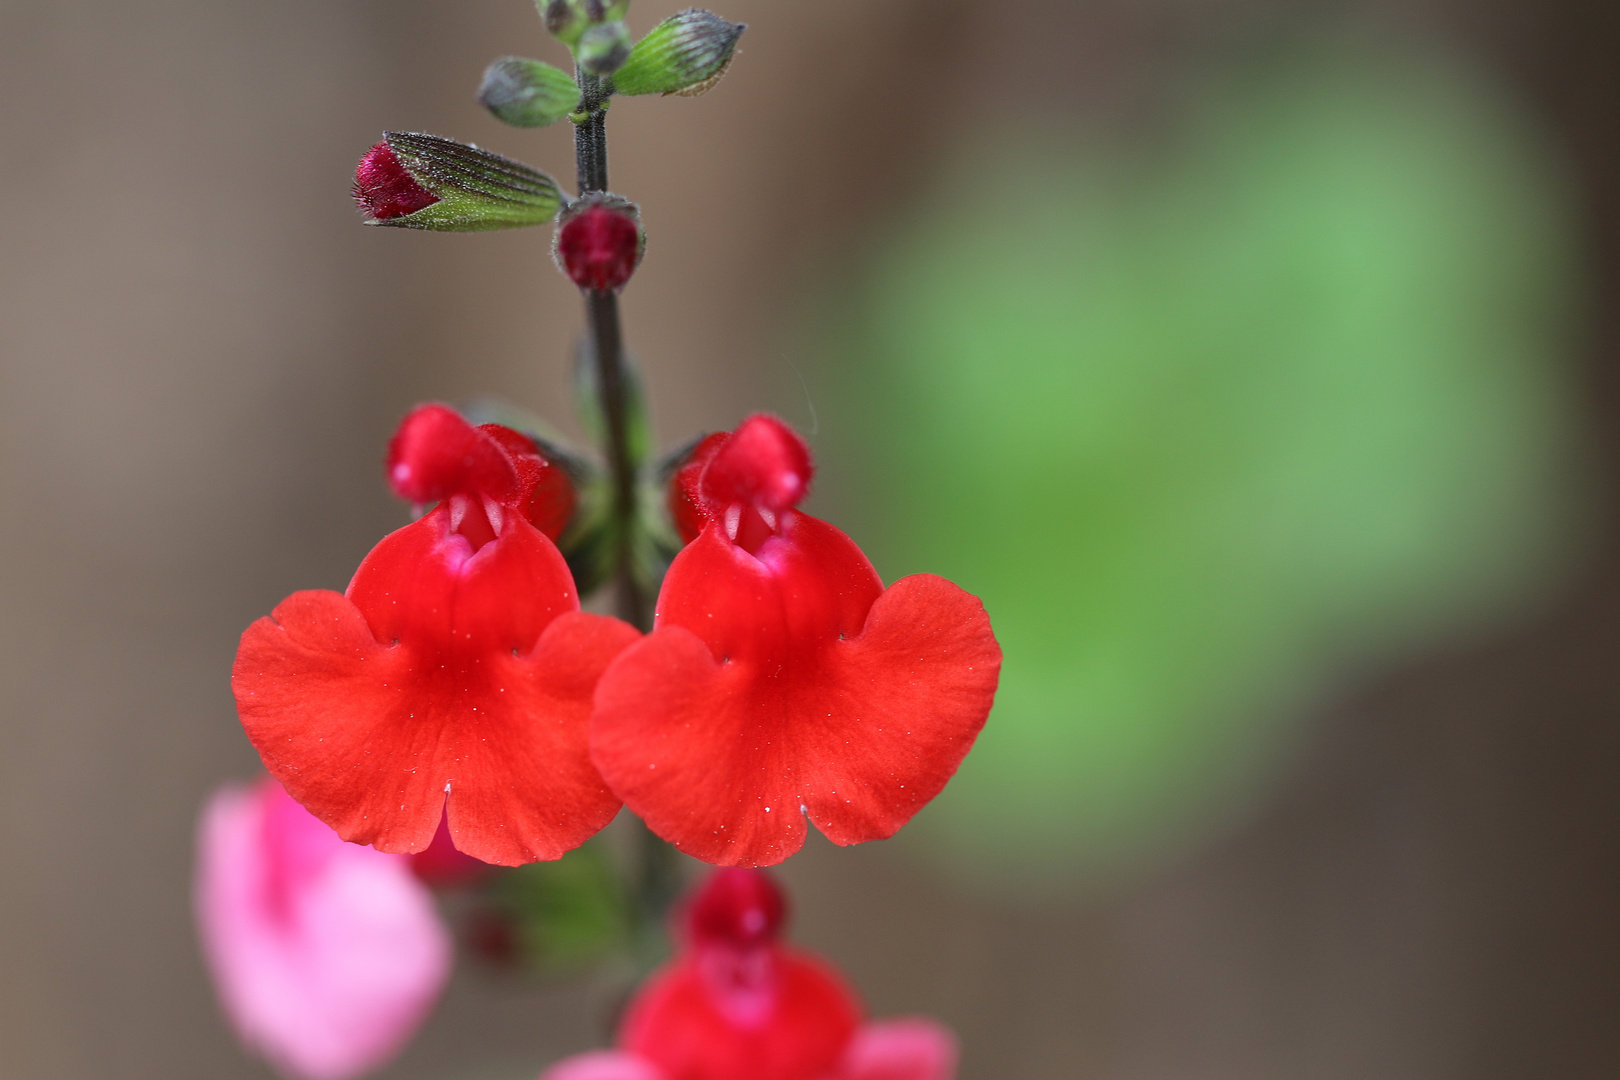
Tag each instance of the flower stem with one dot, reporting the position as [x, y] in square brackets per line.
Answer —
[658, 873]
[590, 134]
[607, 349]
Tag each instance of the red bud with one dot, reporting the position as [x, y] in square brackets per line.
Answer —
[599, 246]
[383, 187]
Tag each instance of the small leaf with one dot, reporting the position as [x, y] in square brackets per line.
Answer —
[528, 93]
[686, 54]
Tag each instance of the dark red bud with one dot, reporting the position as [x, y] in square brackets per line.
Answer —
[764, 465]
[384, 189]
[599, 247]
[436, 454]
[738, 908]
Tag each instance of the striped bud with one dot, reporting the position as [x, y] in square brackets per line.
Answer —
[416, 181]
[686, 54]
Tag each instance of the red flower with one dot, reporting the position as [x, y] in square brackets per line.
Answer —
[737, 1004]
[782, 680]
[454, 677]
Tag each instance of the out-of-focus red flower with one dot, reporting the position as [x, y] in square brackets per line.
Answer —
[782, 680]
[737, 1004]
[454, 677]
[326, 955]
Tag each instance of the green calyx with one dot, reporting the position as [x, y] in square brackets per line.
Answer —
[685, 54]
[476, 190]
[604, 48]
[528, 93]
[568, 20]
[564, 21]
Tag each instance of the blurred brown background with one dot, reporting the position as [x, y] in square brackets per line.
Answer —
[201, 356]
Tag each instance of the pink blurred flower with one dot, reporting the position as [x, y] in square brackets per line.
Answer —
[603, 1065]
[326, 955]
[914, 1048]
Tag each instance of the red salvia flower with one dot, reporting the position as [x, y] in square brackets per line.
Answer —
[454, 677]
[737, 1004]
[384, 189]
[782, 680]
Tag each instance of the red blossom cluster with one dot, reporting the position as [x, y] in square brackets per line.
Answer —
[454, 706]
[457, 679]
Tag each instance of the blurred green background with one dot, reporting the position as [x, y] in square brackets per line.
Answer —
[1210, 420]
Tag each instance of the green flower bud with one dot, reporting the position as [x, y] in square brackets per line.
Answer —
[604, 48]
[527, 93]
[686, 54]
[417, 181]
[563, 19]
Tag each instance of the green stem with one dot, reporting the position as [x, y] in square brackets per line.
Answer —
[658, 876]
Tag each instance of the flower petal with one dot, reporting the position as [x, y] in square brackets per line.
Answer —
[911, 1048]
[603, 1065]
[445, 680]
[537, 795]
[775, 687]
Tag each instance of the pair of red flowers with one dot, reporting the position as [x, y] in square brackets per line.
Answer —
[458, 678]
